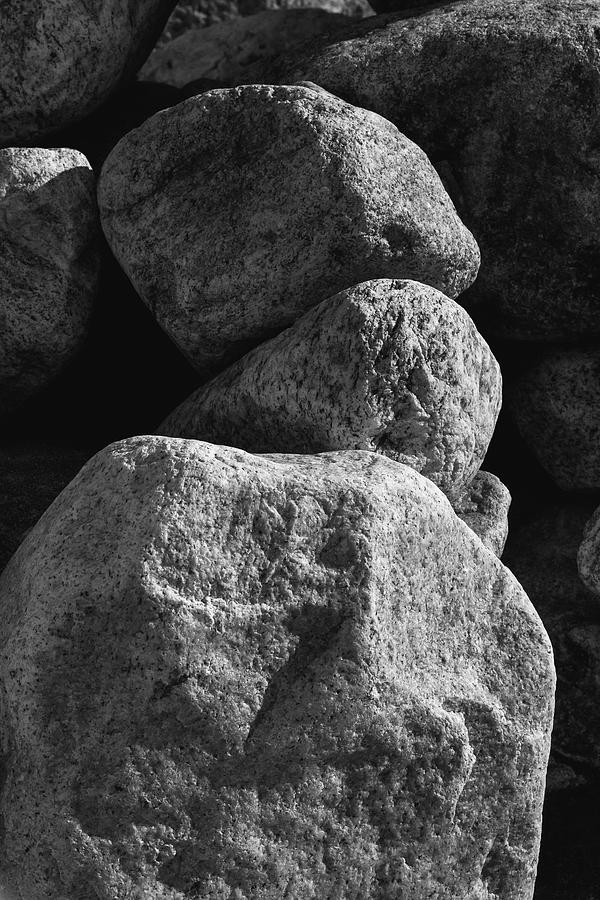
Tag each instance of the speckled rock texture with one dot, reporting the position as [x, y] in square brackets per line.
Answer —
[556, 405]
[504, 98]
[542, 553]
[390, 366]
[290, 676]
[484, 506]
[61, 60]
[49, 263]
[236, 211]
[228, 51]
[588, 555]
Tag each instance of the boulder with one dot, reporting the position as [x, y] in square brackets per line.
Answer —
[231, 675]
[484, 506]
[61, 60]
[388, 366]
[358, 9]
[588, 555]
[228, 51]
[556, 405]
[504, 98]
[236, 211]
[49, 265]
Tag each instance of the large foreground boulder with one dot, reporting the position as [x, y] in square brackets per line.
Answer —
[504, 97]
[61, 60]
[236, 211]
[226, 675]
[390, 366]
[49, 265]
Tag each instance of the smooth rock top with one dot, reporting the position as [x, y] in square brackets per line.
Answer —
[390, 366]
[60, 60]
[236, 211]
[228, 675]
[49, 234]
[484, 506]
[504, 97]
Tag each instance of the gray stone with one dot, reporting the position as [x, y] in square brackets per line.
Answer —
[227, 675]
[588, 555]
[556, 405]
[484, 507]
[236, 211]
[504, 98]
[61, 60]
[390, 366]
[49, 265]
[228, 51]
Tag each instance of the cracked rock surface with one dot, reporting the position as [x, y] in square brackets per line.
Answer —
[390, 366]
[226, 675]
[484, 506]
[236, 211]
[49, 265]
[61, 60]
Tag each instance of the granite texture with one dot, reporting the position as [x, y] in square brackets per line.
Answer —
[588, 555]
[237, 210]
[556, 405]
[484, 506]
[49, 265]
[225, 675]
[504, 97]
[390, 366]
[61, 60]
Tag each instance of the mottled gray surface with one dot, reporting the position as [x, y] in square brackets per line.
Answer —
[290, 676]
[556, 405]
[484, 507]
[60, 60]
[228, 51]
[504, 97]
[390, 366]
[588, 555]
[236, 211]
[49, 261]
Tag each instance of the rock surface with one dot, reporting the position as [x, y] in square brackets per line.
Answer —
[61, 60]
[236, 211]
[225, 675]
[504, 98]
[484, 507]
[588, 555]
[390, 366]
[556, 405]
[48, 265]
[228, 51]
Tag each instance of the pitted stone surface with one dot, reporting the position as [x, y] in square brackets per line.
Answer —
[49, 264]
[237, 210]
[484, 507]
[588, 555]
[227, 675]
[504, 98]
[61, 60]
[390, 366]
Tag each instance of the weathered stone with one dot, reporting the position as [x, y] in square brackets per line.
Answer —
[228, 675]
[504, 98]
[236, 211]
[358, 9]
[390, 366]
[61, 60]
[556, 405]
[226, 52]
[48, 265]
[484, 507]
[588, 555]
[542, 553]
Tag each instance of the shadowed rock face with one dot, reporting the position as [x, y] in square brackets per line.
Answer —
[61, 60]
[390, 366]
[504, 98]
[236, 211]
[224, 674]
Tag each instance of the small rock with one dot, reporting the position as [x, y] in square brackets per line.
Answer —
[228, 51]
[49, 265]
[556, 405]
[389, 366]
[226, 674]
[588, 555]
[237, 210]
[61, 60]
[484, 507]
